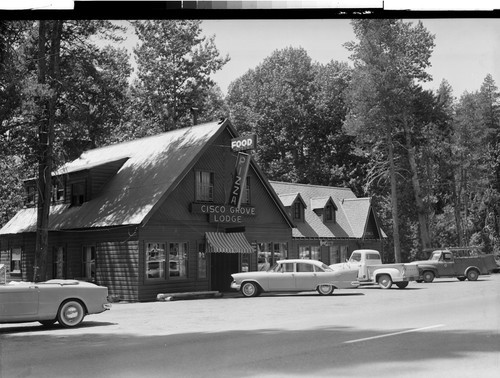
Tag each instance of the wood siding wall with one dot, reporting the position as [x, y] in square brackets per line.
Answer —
[117, 268]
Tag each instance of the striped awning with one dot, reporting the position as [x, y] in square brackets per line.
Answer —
[219, 242]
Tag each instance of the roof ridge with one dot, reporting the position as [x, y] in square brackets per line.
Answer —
[146, 137]
[309, 185]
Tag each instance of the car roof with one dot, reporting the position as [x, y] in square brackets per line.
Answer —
[315, 262]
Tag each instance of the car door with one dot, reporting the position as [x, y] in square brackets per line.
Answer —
[446, 265]
[282, 278]
[18, 302]
[305, 277]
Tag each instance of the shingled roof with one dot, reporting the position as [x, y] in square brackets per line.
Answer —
[151, 167]
[352, 215]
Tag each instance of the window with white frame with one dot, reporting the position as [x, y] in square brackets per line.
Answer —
[309, 252]
[177, 260]
[155, 260]
[270, 252]
[204, 186]
[15, 262]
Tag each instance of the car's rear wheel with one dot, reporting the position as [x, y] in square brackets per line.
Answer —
[47, 323]
[385, 281]
[249, 289]
[70, 314]
[402, 285]
[472, 275]
[428, 276]
[325, 289]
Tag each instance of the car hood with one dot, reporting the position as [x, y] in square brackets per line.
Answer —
[418, 262]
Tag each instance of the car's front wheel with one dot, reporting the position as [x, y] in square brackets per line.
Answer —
[428, 276]
[70, 314]
[325, 289]
[249, 289]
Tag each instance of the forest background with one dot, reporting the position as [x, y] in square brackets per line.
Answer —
[430, 162]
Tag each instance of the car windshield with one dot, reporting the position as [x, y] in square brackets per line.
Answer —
[274, 268]
[435, 256]
[326, 268]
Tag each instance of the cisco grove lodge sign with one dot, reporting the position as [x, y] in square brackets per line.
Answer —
[220, 213]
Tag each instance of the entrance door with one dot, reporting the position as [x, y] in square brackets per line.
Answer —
[222, 265]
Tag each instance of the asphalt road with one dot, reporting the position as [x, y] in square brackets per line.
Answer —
[444, 329]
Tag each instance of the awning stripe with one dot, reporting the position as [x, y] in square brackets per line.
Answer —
[219, 242]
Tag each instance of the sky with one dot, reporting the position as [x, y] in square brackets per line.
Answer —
[465, 51]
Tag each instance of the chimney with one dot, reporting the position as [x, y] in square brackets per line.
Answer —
[194, 112]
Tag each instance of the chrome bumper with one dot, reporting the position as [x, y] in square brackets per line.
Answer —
[235, 286]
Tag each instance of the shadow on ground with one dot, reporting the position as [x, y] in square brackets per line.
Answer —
[260, 352]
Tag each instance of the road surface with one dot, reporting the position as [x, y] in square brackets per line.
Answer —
[443, 329]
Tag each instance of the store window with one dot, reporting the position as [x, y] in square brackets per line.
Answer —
[88, 263]
[334, 253]
[59, 262]
[311, 252]
[270, 252]
[15, 262]
[204, 186]
[202, 261]
[155, 260]
[177, 260]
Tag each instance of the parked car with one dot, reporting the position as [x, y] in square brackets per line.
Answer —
[294, 276]
[371, 271]
[64, 301]
[463, 263]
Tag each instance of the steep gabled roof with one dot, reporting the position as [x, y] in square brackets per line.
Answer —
[352, 213]
[152, 168]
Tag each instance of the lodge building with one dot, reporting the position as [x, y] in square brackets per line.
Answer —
[156, 215]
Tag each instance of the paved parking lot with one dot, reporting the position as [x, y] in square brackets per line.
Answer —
[427, 329]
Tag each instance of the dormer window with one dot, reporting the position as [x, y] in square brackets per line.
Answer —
[58, 191]
[329, 214]
[298, 211]
[30, 196]
[78, 193]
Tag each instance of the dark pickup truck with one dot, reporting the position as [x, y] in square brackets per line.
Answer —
[463, 263]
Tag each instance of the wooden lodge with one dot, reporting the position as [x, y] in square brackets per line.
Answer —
[156, 215]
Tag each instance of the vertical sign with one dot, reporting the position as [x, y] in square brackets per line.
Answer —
[240, 177]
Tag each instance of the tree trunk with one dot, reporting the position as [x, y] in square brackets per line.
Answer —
[421, 213]
[46, 137]
[394, 200]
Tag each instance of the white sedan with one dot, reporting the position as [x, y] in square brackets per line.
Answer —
[293, 276]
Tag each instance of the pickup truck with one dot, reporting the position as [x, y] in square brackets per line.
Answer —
[463, 263]
[371, 271]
